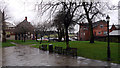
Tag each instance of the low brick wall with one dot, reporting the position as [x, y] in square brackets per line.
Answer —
[104, 38]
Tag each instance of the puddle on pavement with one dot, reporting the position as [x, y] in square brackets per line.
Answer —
[28, 56]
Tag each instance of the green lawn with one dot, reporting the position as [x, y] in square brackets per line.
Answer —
[97, 50]
[27, 42]
[7, 44]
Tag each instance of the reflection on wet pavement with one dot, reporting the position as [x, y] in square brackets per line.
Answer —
[0, 55]
[22, 55]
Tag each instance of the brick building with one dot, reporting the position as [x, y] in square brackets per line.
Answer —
[99, 29]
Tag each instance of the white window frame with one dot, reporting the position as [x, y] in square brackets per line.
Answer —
[99, 32]
[101, 26]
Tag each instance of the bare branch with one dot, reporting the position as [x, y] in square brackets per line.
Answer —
[94, 15]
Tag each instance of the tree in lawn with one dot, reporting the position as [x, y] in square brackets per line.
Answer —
[50, 30]
[58, 23]
[36, 32]
[42, 29]
[69, 9]
[74, 11]
[92, 11]
[4, 18]
[3, 27]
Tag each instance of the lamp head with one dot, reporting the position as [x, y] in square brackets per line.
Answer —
[107, 18]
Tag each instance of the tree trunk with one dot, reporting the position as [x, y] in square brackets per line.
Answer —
[90, 24]
[33, 36]
[30, 36]
[36, 37]
[63, 34]
[48, 38]
[91, 33]
[3, 28]
[18, 36]
[24, 37]
[67, 37]
[4, 36]
[59, 35]
[15, 36]
[60, 38]
[41, 40]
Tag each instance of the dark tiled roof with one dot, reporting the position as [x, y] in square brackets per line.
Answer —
[98, 22]
[95, 24]
[85, 24]
[24, 26]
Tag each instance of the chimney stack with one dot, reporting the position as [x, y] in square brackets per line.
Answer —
[26, 18]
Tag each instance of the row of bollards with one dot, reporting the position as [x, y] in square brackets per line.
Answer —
[50, 48]
[44, 47]
[68, 51]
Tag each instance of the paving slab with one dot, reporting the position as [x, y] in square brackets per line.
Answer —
[0, 54]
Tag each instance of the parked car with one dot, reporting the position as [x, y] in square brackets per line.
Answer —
[45, 39]
[53, 39]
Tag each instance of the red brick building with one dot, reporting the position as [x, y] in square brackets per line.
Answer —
[99, 29]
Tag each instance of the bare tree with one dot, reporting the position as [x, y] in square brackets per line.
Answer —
[69, 9]
[92, 11]
[58, 23]
[4, 18]
[4, 9]
[75, 11]
[3, 27]
[50, 30]
[41, 29]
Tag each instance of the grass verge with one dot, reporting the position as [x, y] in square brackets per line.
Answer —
[7, 44]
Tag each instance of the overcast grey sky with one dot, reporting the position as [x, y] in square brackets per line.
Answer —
[18, 9]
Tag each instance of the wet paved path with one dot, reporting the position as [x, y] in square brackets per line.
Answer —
[22, 55]
[0, 56]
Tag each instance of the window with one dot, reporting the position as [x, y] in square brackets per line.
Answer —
[99, 32]
[84, 34]
[81, 33]
[105, 32]
[80, 27]
[101, 26]
[84, 28]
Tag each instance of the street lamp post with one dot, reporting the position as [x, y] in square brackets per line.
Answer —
[108, 47]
